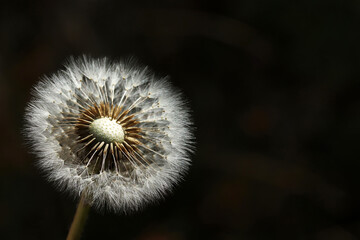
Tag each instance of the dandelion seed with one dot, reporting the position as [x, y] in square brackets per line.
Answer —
[111, 131]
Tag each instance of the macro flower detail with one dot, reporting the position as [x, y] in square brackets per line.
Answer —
[111, 131]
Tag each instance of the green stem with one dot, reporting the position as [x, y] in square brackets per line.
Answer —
[80, 217]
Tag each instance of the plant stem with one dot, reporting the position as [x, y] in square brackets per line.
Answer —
[79, 220]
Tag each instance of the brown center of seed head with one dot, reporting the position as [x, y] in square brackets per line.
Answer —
[111, 138]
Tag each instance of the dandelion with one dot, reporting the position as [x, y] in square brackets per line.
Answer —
[110, 132]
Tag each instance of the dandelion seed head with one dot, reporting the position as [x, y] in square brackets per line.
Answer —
[110, 130]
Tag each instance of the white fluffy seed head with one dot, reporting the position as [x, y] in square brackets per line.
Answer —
[111, 131]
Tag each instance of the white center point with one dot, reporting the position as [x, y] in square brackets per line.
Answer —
[106, 130]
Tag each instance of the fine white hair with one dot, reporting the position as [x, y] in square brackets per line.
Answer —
[163, 132]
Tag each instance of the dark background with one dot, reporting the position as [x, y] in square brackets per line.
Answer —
[274, 87]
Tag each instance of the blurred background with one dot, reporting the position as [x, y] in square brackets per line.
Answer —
[274, 87]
